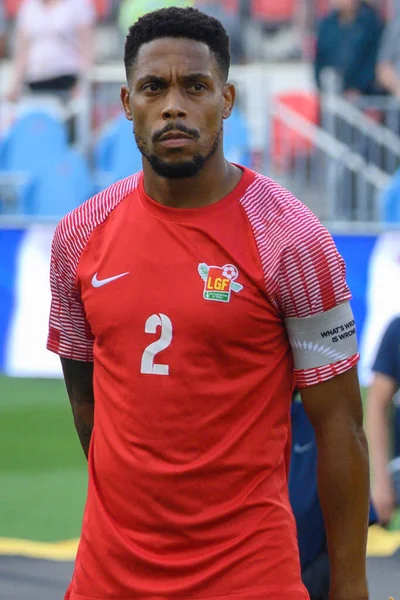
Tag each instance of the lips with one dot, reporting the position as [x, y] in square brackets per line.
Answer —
[175, 135]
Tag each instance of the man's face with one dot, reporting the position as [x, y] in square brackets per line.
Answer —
[177, 102]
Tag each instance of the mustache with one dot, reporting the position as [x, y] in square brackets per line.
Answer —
[175, 127]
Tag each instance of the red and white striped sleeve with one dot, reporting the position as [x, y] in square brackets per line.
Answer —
[305, 280]
[314, 299]
[69, 333]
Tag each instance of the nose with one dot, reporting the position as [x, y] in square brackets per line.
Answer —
[173, 108]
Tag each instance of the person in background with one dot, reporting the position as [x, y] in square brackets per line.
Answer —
[388, 67]
[382, 392]
[304, 499]
[232, 16]
[54, 46]
[348, 41]
[3, 30]
[131, 10]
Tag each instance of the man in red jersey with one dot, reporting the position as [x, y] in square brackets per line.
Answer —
[187, 301]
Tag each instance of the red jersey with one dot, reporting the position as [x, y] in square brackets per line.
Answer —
[183, 313]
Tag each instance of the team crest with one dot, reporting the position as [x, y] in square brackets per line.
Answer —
[219, 282]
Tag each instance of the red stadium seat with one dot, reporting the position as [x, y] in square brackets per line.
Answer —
[276, 11]
[286, 142]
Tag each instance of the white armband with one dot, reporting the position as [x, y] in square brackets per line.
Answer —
[323, 339]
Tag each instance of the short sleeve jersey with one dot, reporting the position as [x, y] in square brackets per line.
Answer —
[387, 360]
[184, 313]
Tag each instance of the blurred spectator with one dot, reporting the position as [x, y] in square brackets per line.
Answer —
[132, 10]
[388, 68]
[348, 41]
[304, 498]
[3, 29]
[385, 385]
[54, 46]
[231, 14]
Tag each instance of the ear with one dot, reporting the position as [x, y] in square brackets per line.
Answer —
[229, 94]
[125, 99]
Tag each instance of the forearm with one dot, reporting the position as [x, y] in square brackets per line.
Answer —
[20, 63]
[388, 78]
[84, 419]
[87, 45]
[343, 478]
[378, 438]
[79, 383]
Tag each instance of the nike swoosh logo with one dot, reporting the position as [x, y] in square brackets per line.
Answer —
[97, 283]
[301, 449]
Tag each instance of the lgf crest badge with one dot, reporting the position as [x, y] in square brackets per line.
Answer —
[219, 282]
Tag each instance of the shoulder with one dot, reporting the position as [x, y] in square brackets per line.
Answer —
[393, 330]
[74, 230]
[369, 14]
[279, 217]
[328, 21]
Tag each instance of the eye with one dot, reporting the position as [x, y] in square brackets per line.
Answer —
[151, 87]
[197, 87]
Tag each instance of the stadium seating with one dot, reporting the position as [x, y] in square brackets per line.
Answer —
[390, 201]
[63, 185]
[34, 138]
[116, 155]
[273, 12]
[286, 142]
[32, 143]
[236, 139]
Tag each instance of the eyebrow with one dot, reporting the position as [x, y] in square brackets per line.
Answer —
[163, 81]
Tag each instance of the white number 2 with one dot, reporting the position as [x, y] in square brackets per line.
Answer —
[148, 366]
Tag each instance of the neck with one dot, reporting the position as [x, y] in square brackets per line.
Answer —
[215, 181]
[347, 15]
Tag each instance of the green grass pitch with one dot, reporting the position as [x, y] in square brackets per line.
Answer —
[43, 474]
[42, 467]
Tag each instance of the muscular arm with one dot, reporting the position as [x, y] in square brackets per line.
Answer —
[335, 410]
[78, 378]
[380, 396]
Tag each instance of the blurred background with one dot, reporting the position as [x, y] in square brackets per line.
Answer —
[318, 110]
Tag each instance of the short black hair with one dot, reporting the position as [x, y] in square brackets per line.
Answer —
[188, 23]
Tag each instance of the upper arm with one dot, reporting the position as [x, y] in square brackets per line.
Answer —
[388, 46]
[69, 335]
[386, 361]
[78, 378]
[314, 300]
[385, 382]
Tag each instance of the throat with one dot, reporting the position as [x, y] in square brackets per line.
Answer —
[197, 192]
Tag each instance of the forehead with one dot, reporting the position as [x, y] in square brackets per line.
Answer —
[174, 55]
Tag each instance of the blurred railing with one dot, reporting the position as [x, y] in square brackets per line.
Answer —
[338, 184]
[369, 125]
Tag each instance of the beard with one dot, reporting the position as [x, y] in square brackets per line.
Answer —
[180, 169]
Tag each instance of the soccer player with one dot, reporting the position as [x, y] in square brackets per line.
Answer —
[304, 499]
[381, 394]
[187, 301]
